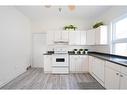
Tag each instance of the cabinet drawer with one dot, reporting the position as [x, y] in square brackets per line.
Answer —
[60, 70]
[113, 66]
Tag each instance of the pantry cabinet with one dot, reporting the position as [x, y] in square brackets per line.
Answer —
[78, 63]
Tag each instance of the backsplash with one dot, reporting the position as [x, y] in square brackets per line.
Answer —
[70, 48]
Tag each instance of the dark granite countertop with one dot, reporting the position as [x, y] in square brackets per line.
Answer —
[48, 53]
[120, 60]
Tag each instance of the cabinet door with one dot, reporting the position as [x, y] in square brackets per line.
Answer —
[47, 63]
[98, 68]
[50, 38]
[123, 81]
[90, 37]
[111, 78]
[57, 36]
[83, 38]
[64, 35]
[84, 63]
[73, 61]
[91, 61]
[74, 38]
[101, 35]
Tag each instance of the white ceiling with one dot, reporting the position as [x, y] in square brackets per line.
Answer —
[81, 12]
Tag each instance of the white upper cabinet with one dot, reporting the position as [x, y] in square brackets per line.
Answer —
[50, 38]
[83, 38]
[77, 38]
[57, 36]
[74, 38]
[61, 36]
[101, 35]
[90, 37]
[65, 36]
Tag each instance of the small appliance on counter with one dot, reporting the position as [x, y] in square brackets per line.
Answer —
[76, 51]
[81, 51]
[86, 51]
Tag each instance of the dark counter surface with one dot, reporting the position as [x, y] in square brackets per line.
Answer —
[48, 53]
[120, 60]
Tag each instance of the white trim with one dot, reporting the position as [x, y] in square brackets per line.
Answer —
[113, 39]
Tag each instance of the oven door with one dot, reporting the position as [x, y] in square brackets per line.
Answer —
[59, 60]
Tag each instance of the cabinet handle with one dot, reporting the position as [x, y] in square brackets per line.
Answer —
[121, 75]
[117, 73]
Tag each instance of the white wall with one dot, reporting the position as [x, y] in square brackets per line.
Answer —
[53, 24]
[107, 18]
[15, 42]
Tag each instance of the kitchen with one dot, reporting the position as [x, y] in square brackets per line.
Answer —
[63, 47]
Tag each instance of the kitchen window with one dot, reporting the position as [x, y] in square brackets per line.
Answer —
[119, 37]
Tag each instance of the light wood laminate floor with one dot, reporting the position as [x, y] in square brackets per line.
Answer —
[35, 78]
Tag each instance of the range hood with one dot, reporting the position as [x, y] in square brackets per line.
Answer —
[61, 42]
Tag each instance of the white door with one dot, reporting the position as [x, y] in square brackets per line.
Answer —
[39, 47]
[123, 81]
[111, 79]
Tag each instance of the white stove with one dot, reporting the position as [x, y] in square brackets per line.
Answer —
[60, 64]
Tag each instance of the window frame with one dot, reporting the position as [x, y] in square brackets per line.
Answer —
[113, 32]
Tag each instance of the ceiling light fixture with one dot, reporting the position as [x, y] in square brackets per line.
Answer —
[71, 7]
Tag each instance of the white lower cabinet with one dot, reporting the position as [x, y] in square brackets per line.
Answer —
[98, 70]
[123, 81]
[111, 78]
[115, 76]
[47, 63]
[91, 60]
[78, 63]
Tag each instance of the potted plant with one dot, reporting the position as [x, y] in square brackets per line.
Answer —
[98, 24]
[70, 27]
